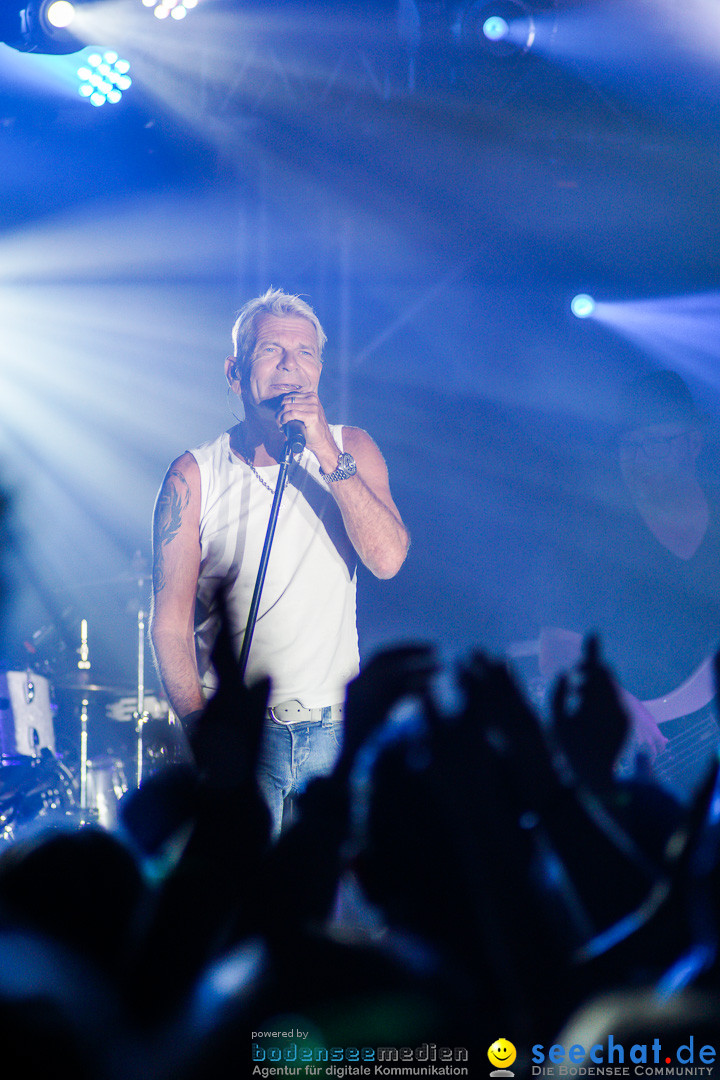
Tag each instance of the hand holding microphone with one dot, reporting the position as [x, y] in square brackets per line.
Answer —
[302, 421]
[294, 430]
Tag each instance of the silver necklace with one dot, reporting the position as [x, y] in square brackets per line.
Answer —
[254, 471]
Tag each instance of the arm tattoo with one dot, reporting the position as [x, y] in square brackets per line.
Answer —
[173, 499]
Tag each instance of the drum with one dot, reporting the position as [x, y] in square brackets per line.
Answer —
[160, 738]
[26, 718]
[106, 785]
[39, 792]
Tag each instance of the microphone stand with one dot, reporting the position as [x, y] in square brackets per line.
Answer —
[270, 533]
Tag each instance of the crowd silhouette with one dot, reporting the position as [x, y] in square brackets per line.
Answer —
[463, 874]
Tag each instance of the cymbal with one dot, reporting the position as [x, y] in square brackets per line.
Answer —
[95, 688]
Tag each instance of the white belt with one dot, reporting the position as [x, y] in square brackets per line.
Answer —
[292, 712]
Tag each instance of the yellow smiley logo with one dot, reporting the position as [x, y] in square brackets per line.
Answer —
[502, 1054]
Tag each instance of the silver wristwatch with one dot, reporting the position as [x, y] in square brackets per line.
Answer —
[345, 468]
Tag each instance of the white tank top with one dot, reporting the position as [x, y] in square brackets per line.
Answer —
[305, 636]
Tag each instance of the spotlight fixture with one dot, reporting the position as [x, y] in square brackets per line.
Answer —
[582, 305]
[495, 28]
[103, 77]
[501, 29]
[60, 14]
[173, 9]
[40, 26]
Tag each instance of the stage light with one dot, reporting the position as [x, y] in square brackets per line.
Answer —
[60, 13]
[103, 78]
[582, 306]
[41, 26]
[501, 29]
[495, 28]
[175, 9]
[56, 27]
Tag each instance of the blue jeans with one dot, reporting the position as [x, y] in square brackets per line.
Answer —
[291, 755]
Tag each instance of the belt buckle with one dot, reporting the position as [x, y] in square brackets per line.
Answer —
[281, 720]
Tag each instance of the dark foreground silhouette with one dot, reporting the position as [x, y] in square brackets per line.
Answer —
[458, 877]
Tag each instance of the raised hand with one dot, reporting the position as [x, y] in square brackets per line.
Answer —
[225, 740]
[590, 722]
[391, 675]
[498, 713]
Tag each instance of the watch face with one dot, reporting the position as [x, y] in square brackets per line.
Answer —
[346, 462]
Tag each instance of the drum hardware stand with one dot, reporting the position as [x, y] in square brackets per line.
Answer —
[84, 665]
[270, 533]
[83, 753]
[140, 715]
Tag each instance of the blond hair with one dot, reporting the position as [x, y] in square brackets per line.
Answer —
[273, 302]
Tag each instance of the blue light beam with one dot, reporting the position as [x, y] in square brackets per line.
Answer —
[681, 331]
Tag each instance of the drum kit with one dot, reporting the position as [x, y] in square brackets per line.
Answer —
[71, 747]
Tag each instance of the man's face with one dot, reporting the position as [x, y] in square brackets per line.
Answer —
[656, 456]
[285, 358]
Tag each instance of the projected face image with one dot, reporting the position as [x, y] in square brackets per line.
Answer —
[656, 454]
[285, 358]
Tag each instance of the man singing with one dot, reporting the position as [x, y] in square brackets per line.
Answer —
[209, 528]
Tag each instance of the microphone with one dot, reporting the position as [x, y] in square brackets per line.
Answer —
[294, 432]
